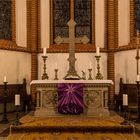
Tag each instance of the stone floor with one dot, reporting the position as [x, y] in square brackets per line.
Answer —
[4, 128]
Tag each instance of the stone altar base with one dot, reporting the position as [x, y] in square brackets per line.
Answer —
[71, 127]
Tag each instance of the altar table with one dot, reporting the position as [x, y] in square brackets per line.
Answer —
[95, 97]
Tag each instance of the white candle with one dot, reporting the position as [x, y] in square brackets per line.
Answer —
[4, 78]
[125, 99]
[17, 99]
[44, 51]
[138, 77]
[55, 66]
[90, 65]
[97, 51]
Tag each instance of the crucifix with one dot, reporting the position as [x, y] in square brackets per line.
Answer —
[72, 73]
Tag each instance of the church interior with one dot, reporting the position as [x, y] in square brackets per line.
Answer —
[69, 69]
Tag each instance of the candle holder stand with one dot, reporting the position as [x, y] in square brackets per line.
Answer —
[4, 119]
[56, 74]
[83, 75]
[125, 115]
[99, 75]
[17, 122]
[90, 77]
[138, 102]
[45, 75]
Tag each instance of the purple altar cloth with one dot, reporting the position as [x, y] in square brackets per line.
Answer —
[70, 98]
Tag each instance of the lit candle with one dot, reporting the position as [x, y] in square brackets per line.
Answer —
[97, 51]
[55, 66]
[138, 77]
[17, 99]
[125, 99]
[44, 51]
[4, 78]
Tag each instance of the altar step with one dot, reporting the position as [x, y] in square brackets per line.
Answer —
[72, 128]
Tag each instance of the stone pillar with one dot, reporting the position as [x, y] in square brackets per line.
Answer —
[34, 45]
[112, 43]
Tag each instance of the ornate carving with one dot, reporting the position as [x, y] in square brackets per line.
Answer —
[49, 99]
[5, 19]
[93, 98]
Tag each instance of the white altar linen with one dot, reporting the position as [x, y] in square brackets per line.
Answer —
[71, 81]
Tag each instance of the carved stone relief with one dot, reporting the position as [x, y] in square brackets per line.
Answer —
[49, 99]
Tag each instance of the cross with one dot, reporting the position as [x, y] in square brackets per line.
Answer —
[72, 73]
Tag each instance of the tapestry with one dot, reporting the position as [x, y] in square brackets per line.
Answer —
[70, 98]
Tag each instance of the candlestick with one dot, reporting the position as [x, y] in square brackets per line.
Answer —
[97, 51]
[138, 102]
[17, 100]
[83, 75]
[56, 76]
[125, 107]
[45, 75]
[99, 75]
[90, 77]
[4, 119]
[125, 100]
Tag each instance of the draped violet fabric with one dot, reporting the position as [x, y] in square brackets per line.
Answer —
[70, 98]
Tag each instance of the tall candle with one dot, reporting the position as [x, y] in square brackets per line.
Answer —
[17, 99]
[97, 51]
[4, 78]
[125, 99]
[44, 51]
[138, 77]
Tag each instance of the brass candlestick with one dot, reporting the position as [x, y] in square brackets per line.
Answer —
[125, 115]
[138, 102]
[138, 93]
[99, 75]
[17, 122]
[56, 75]
[90, 77]
[45, 75]
[4, 119]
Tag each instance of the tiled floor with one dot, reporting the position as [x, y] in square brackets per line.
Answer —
[4, 131]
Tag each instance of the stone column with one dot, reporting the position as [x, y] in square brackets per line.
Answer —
[112, 43]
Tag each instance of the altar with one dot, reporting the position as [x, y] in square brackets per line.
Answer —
[95, 97]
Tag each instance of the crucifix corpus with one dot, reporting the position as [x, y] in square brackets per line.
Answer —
[72, 73]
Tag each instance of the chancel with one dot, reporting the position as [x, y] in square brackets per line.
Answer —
[69, 69]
